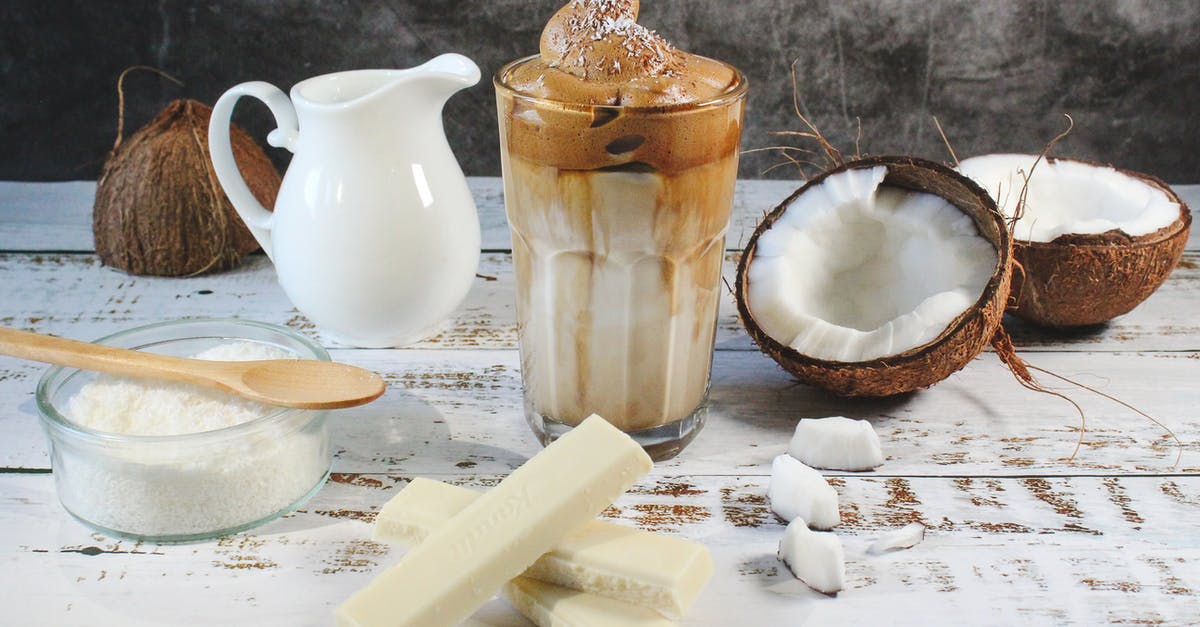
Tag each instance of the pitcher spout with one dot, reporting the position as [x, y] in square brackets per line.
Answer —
[428, 86]
[451, 71]
[430, 83]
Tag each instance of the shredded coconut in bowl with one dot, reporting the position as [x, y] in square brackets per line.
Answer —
[148, 407]
[182, 489]
[196, 498]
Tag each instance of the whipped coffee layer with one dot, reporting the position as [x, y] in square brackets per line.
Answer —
[574, 104]
[595, 52]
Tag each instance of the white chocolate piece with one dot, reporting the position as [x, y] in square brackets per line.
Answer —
[799, 492]
[814, 557]
[905, 537]
[468, 559]
[836, 444]
[548, 605]
[648, 569]
[418, 509]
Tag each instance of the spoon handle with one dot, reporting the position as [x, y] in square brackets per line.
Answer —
[109, 359]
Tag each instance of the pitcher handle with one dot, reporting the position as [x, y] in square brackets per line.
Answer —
[256, 217]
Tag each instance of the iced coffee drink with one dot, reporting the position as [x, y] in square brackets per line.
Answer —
[619, 157]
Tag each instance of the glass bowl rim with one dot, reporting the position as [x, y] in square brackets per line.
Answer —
[60, 426]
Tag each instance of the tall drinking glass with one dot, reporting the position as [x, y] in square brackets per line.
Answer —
[618, 217]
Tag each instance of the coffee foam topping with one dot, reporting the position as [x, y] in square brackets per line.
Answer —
[600, 40]
[608, 93]
[595, 52]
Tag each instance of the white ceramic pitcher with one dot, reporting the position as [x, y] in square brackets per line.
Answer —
[374, 234]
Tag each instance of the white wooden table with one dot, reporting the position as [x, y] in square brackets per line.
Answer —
[1017, 532]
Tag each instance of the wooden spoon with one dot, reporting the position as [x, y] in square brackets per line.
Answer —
[299, 383]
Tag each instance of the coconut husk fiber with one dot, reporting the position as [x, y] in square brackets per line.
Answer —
[159, 209]
[919, 367]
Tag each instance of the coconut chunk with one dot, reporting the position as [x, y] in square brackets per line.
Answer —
[1093, 241]
[905, 537]
[814, 557]
[836, 443]
[799, 492]
[1071, 197]
[855, 270]
[882, 301]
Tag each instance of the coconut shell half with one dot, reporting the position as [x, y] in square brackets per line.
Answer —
[159, 209]
[1080, 280]
[920, 367]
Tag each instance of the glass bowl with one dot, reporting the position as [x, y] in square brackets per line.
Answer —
[190, 487]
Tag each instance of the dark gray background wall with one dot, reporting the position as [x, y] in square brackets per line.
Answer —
[998, 73]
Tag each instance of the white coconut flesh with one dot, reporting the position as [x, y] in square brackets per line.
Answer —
[854, 270]
[1069, 197]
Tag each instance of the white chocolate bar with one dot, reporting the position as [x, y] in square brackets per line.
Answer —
[548, 605]
[653, 570]
[466, 560]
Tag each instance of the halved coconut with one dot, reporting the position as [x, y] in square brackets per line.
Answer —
[879, 277]
[1094, 241]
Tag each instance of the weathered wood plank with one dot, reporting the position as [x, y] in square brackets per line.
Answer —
[447, 411]
[73, 295]
[58, 216]
[1080, 551]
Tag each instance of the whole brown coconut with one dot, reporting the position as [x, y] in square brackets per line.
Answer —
[159, 210]
[1079, 280]
[924, 365]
